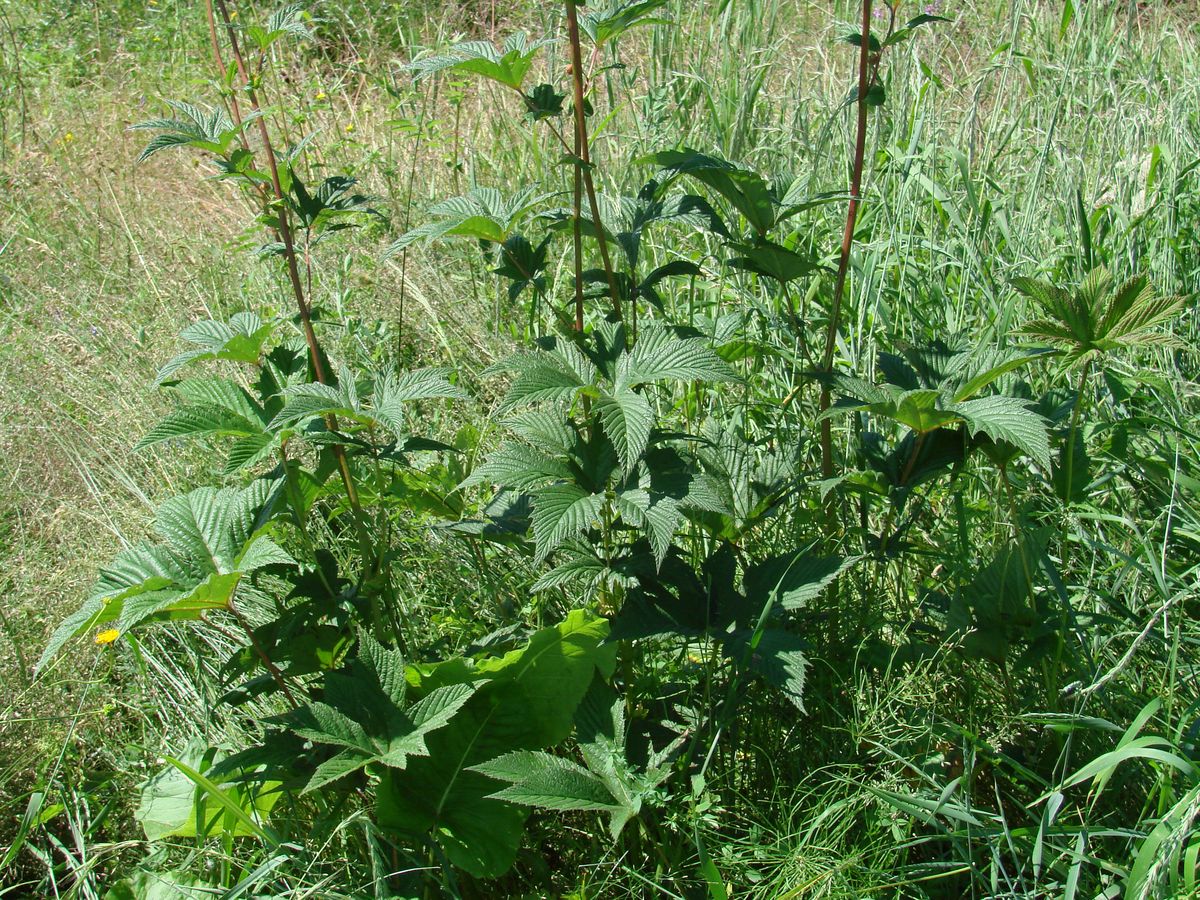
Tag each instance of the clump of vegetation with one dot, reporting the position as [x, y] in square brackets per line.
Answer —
[603, 475]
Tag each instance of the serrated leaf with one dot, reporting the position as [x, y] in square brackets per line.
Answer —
[560, 512]
[796, 579]
[519, 467]
[1009, 419]
[659, 355]
[550, 782]
[627, 418]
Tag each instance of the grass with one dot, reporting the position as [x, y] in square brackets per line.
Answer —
[1001, 129]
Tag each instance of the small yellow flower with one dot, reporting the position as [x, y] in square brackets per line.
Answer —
[320, 95]
[107, 636]
[68, 137]
[350, 128]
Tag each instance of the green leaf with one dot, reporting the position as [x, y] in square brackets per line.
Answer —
[518, 467]
[549, 782]
[745, 190]
[1008, 419]
[506, 65]
[159, 886]
[658, 514]
[660, 355]
[542, 377]
[197, 525]
[206, 534]
[627, 418]
[525, 700]
[560, 512]
[241, 339]
[795, 579]
[180, 801]
[308, 401]
[482, 214]
[771, 259]
[604, 23]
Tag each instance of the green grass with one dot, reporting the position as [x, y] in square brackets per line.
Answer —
[999, 129]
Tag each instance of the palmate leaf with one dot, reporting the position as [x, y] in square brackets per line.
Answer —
[1005, 419]
[610, 783]
[576, 563]
[507, 65]
[604, 23]
[205, 128]
[1096, 318]
[367, 715]
[197, 526]
[241, 339]
[483, 214]
[288, 21]
[525, 700]
[210, 542]
[385, 404]
[1132, 314]
[309, 401]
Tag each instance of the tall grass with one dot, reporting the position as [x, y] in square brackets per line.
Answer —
[1012, 143]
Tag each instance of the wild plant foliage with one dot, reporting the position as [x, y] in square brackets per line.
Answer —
[674, 563]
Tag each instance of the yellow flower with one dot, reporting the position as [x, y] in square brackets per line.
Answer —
[320, 95]
[349, 128]
[107, 636]
[68, 137]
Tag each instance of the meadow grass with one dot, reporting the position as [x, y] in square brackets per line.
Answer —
[1007, 136]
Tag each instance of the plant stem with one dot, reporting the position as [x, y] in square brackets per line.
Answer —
[860, 143]
[262, 654]
[584, 164]
[1074, 430]
[289, 252]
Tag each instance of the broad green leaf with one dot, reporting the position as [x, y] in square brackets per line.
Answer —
[745, 190]
[518, 467]
[795, 579]
[778, 262]
[628, 419]
[560, 512]
[603, 23]
[660, 355]
[1008, 419]
[159, 886]
[525, 700]
[181, 802]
